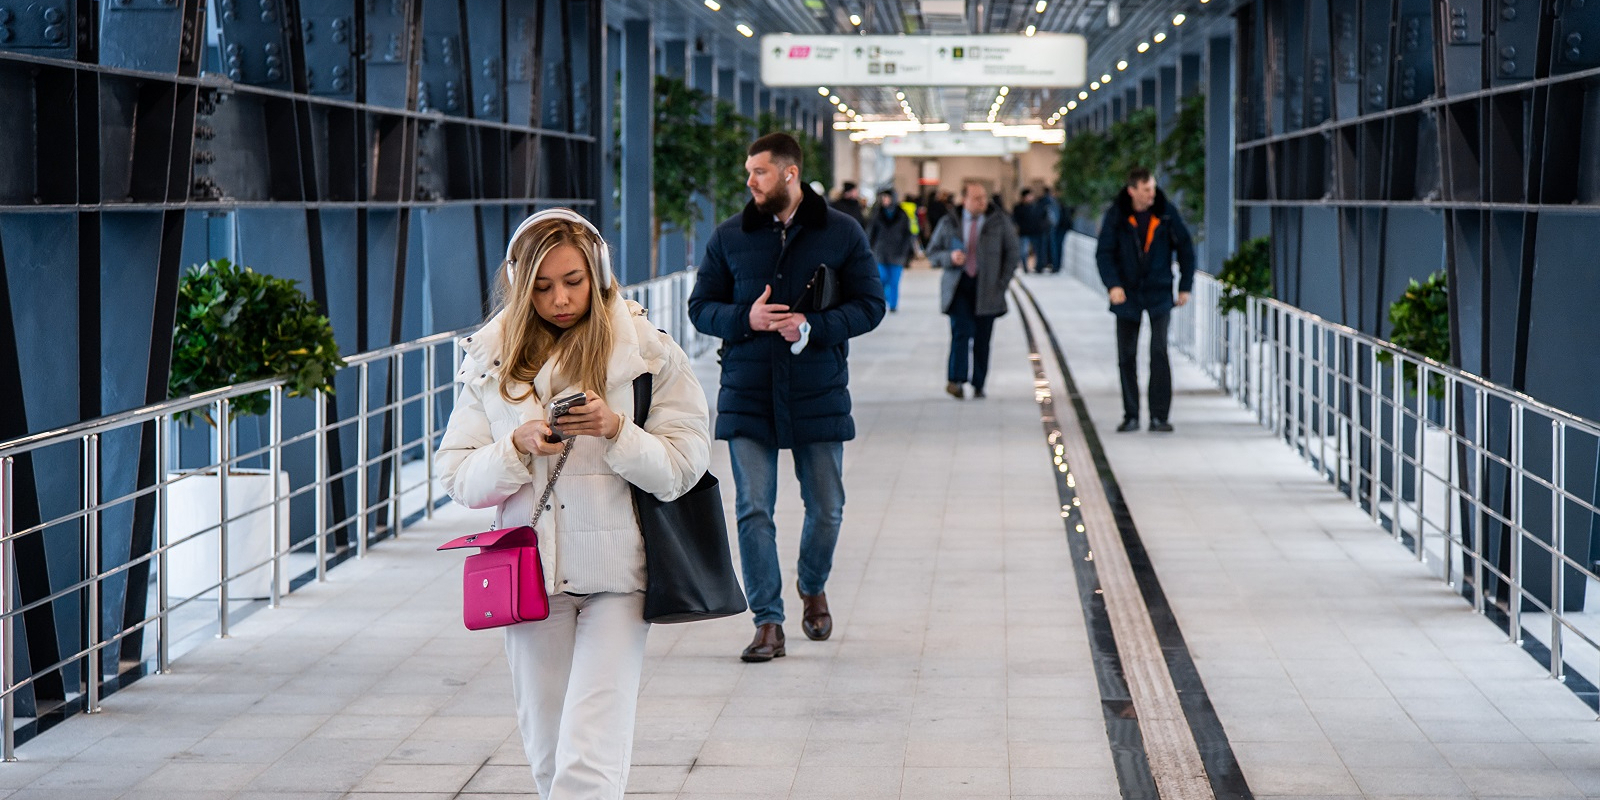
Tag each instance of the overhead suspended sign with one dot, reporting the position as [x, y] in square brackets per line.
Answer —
[953, 143]
[1044, 60]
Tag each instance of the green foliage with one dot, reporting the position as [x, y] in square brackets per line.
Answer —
[1183, 152]
[235, 325]
[1083, 183]
[732, 134]
[679, 166]
[1094, 165]
[1134, 144]
[1421, 320]
[700, 145]
[1246, 273]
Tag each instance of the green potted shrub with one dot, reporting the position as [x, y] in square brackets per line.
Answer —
[234, 325]
[1421, 324]
[1246, 273]
[1184, 153]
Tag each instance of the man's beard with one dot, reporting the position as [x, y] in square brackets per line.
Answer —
[774, 204]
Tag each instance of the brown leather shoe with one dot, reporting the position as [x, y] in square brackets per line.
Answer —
[816, 621]
[767, 645]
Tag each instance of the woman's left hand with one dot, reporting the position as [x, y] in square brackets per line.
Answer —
[593, 418]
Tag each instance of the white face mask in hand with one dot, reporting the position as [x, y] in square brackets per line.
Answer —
[805, 338]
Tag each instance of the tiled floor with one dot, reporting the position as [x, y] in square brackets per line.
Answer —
[959, 667]
[1338, 666]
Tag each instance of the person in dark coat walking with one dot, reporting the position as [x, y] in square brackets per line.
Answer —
[1139, 236]
[978, 250]
[1028, 216]
[785, 380]
[849, 202]
[893, 244]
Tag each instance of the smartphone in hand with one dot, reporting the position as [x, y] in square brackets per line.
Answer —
[560, 407]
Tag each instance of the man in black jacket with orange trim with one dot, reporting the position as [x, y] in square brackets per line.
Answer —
[1139, 236]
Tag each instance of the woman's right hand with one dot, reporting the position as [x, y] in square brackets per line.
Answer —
[529, 438]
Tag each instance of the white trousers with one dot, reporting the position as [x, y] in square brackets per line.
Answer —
[575, 677]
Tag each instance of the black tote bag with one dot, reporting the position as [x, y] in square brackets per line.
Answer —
[689, 566]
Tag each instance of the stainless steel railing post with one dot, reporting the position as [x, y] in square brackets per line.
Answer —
[1558, 540]
[320, 493]
[1397, 453]
[8, 655]
[91, 553]
[430, 374]
[274, 466]
[398, 439]
[92, 668]
[163, 604]
[359, 530]
[1480, 496]
[224, 466]
[1518, 476]
[1452, 489]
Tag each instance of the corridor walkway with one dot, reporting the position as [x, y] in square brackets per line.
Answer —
[960, 666]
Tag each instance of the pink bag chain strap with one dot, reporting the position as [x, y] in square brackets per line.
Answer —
[544, 499]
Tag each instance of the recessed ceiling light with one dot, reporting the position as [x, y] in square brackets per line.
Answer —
[1094, 86]
[1122, 65]
[834, 99]
[713, 5]
[855, 19]
[822, 90]
[1106, 78]
[1072, 105]
[1160, 37]
[744, 29]
[899, 95]
[1083, 95]
[1005, 90]
[1062, 110]
[1039, 7]
[1030, 31]
[1143, 46]
[1178, 20]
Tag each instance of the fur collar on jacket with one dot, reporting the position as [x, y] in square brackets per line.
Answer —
[638, 349]
[813, 212]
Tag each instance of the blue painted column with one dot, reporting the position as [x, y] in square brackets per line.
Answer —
[671, 251]
[1220, 230]
[1166, 99]
[638, 101]
[703, 76]
[608, 210]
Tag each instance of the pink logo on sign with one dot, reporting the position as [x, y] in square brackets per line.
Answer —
[799, 51]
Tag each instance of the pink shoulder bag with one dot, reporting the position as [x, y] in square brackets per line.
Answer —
[503, 583]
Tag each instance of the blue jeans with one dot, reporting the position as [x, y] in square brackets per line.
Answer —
[890, 275]
[820, 468]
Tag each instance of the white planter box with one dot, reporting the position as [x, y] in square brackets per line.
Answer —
[193, 567]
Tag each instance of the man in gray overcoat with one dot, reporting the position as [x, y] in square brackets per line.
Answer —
[979, 252]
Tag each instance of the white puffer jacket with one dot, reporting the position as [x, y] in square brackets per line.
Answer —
[589, 537]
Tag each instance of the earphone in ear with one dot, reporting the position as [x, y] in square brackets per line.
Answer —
[788, 178]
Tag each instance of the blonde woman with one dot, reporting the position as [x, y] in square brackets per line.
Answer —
[563, 329]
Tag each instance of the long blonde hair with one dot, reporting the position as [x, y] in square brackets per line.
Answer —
[581, 352]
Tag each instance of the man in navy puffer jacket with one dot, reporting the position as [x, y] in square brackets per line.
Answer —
[784, 373]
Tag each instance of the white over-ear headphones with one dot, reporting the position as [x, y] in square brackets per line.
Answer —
[571, 216]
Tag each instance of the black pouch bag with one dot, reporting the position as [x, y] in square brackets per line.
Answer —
[690, 567]
[821, 292]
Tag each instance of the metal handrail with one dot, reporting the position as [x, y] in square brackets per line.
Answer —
[665, 299]
[1342, 399]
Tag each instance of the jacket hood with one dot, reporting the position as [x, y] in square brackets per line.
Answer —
[1125, 203]
[813, 212]
[638, 349]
